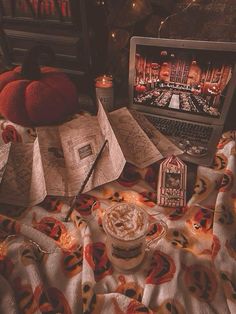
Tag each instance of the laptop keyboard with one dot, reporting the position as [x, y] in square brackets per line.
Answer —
[192, 132]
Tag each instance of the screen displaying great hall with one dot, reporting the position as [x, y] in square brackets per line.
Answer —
[185, 80]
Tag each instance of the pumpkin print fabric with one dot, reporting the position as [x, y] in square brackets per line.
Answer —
[48, 265]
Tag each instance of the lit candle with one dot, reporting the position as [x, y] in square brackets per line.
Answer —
[104, 91]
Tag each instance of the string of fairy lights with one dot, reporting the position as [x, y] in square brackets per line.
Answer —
[134, 5]
[163, 22]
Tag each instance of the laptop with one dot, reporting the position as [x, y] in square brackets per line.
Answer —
[184, 88]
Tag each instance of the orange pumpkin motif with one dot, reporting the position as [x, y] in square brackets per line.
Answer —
[178, 238]
[225, 215]
[176, 213]
[51, 227]
[136, 307]
[92, 303]
[162, 268]
[9, 225]
[154, 230]
[51, 300]
[72, 262]
[222, 142]
[231, 247]
[201, 185]
[202, 221]
[85, 203]
[24, 297]
[220, 162]
[170, 306]
[52, 204]
[148, 198]
[229, 286]
[30, 95]
[130, 289]
[56, 230]
[201, 282]
[30, 254]
[227, 181]
[129, 176]
[6, 266]
[96, 256]
[10, 134]
[27, 255]
[151, 175]
[215, 247]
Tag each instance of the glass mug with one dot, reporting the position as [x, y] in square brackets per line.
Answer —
[126, 226]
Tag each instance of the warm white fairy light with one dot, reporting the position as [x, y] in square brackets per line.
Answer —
[168, 17]
[100, 2]
[113, 35]
[133, 4]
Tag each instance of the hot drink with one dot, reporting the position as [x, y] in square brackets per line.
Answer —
[126, 227]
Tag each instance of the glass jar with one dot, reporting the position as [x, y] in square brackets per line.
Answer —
[126, 226]
[104, 91]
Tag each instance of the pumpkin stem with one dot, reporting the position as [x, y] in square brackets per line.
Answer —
[30, 68]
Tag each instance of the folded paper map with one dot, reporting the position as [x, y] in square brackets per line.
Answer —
[61, 156]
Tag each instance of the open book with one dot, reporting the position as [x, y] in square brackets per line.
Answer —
[61, 156]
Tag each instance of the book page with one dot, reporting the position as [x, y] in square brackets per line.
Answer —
[81, 141]
[116, 159]
[38, 185]
[53, 161]
[23, 182]
[15, 185]
[137, 148]
[4, 155]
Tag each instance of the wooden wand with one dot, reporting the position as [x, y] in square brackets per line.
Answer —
[85, 181]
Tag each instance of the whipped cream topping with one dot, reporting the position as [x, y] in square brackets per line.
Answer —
[126, 221]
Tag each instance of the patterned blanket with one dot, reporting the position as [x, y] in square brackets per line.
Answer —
[48, 265]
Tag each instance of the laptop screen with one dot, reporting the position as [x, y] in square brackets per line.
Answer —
[190, 81]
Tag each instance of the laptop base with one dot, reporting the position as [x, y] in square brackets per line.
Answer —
[199, 146]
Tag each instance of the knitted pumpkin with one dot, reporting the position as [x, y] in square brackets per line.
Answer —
[33, 96]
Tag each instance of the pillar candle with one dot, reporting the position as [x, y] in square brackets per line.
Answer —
[104, 91]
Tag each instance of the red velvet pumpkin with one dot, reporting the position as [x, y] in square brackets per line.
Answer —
[33, 96]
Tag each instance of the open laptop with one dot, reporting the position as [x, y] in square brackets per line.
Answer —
[184, 88]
